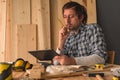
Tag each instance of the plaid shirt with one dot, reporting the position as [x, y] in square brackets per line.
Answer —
[88, 41]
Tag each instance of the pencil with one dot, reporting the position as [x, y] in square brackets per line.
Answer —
[60, 22]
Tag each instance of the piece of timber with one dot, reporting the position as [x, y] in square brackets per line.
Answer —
[47, 75]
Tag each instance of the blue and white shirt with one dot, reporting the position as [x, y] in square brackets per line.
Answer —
[88, 41]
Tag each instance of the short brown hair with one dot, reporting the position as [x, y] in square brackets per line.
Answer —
[79, 9]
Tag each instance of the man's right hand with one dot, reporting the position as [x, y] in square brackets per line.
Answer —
[64, 60]
[63, 34]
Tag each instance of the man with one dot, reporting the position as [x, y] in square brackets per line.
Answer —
[79, 43]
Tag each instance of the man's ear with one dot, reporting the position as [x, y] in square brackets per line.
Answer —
[81, 18]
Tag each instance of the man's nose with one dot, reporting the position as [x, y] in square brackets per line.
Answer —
[68, 20]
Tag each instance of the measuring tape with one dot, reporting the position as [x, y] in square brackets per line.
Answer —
[115, 78]
[99, 66]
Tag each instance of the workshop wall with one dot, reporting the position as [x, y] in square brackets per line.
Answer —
[108, 16]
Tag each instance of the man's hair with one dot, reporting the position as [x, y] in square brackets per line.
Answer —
[79, 9]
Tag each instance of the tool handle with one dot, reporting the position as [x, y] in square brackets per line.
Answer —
[99, 77]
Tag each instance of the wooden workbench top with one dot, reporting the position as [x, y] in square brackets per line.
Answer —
[38, 74]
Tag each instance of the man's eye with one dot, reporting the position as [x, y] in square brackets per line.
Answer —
[64, 16]
[71, 16]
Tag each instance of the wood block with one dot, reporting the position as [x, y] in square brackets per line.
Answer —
[36, 71]
[35, 74]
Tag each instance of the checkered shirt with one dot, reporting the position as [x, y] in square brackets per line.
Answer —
[88, 41]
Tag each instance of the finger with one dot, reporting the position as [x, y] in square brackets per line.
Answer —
[56, 57]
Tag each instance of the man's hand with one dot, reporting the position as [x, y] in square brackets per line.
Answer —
[65, 60]
[63, 34]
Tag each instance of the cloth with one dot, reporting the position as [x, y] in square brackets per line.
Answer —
[90, 60]
[88, 41]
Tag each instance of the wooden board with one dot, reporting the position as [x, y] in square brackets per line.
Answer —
[40, 11]
[2, 29]
[37, 68]
[8, 32]
[55, 27]
[79, 73]
[26, 41]
[20, 10]
[91, 10]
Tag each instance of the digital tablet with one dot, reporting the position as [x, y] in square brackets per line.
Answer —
[44, 54]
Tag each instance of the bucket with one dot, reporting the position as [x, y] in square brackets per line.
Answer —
[5, 71]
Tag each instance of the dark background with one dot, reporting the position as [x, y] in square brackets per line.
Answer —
[108, 16]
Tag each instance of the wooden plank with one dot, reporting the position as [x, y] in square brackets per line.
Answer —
[55, 27]
[2, 29]
[41, 16]
[48, 76]
[79, 73]
[8, 32]
[60, 5]
[91, 9]
[82, 2]
[20, 15]
[111, 55]
[26, 41]
[107, 74]
[56, 13]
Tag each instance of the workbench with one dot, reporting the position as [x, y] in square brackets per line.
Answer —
[39, 74]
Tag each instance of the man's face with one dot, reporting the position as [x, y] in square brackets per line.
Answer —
[71, 19]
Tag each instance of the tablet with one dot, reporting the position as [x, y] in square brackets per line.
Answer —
[43, 54]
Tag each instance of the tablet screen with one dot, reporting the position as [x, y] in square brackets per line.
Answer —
[44, 54]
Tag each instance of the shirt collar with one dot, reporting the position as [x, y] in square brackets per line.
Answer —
[79, 30]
